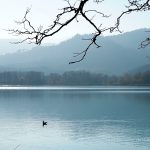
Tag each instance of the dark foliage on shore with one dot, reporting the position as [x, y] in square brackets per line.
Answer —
[72, 78]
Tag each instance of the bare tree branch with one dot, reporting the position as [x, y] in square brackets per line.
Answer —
[37, 35]
[145, 43]
[134, 6]
[17, 146]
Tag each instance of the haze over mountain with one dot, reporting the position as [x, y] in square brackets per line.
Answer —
[118, 54]
[7, 46]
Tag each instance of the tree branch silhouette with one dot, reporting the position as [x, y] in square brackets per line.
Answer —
[17, 146]
[134, 6]
[37, 35]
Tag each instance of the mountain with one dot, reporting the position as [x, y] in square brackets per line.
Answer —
[140, 69]
[7, 46]
[118, 54]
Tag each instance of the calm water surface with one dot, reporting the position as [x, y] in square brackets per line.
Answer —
[82, 118]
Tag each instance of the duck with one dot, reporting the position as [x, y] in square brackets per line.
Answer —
[44, 123]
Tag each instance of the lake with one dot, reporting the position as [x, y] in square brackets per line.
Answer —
[79, 118]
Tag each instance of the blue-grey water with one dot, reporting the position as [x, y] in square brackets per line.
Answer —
[79, 118]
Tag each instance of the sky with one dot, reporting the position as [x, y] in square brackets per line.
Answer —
[43, 12]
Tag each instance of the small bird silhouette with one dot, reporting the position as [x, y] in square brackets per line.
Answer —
[44, 123]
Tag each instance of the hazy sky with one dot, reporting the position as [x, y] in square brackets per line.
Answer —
[43, 12]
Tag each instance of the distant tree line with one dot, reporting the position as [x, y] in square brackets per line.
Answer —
[72, 78]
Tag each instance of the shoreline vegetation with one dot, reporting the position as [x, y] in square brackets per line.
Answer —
[73, 78]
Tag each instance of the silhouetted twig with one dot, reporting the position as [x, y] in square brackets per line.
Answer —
[134, 6]
[17, 146]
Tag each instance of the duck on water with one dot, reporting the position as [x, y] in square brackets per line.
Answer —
[44, 123]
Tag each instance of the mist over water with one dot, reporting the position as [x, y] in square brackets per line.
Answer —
[77, 119]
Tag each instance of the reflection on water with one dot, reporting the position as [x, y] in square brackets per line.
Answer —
[77, 119]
